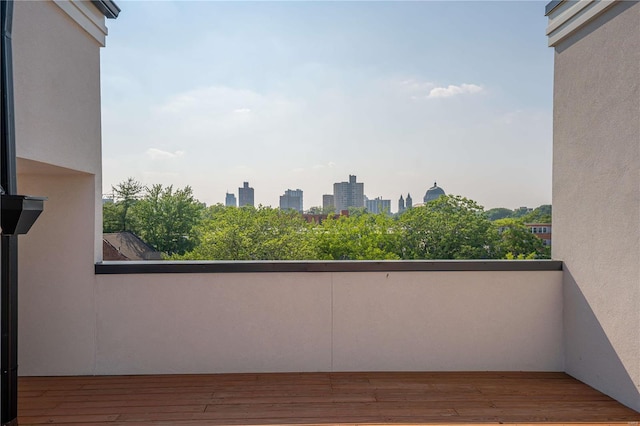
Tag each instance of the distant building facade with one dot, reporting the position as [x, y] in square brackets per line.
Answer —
[378, 205]
[348, 194]
[542, 231]
[230, 200]
[245, 195]
[433, 193]
[291, 200]
[328, 202]
[409, 202]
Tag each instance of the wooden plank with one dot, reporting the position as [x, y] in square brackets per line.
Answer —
[325, 398]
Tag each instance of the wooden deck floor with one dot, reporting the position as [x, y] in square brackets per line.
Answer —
[317, 398]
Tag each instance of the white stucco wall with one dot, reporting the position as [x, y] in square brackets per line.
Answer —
[267, 322]
[56, 281]
[596, 199]
[56, 70]
[57, 88]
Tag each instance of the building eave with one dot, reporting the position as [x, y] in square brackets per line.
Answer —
[108, 8]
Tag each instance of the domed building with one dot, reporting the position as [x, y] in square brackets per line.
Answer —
[432, 193]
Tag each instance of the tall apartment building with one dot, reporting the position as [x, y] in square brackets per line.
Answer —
[328, 201]
[348, 194]
[378, 205]
[245, 195]
[292, 199]
[230, 200]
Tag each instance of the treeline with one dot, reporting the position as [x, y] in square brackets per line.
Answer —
[541, 214]
[177, 224]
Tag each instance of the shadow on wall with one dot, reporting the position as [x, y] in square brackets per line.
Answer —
[589, 354]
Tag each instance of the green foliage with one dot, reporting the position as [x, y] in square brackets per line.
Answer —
[360, 237]
[249, 233]
[357, 211]
[449, 227]
[540, 214]
[322, 210]
[517, 241]
[126, 195]
[162, 217]
[520, 212]
[167, 219]
[498, 213]
[111, 217]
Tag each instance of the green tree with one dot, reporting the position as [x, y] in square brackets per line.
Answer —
[360, 237]
[249, 233]
[517, 241]
[498, 213]
[126, 194]
[321, 210]
[111, 217]
[167, 219]
[541, 214]
[520, 212]
[449, 227]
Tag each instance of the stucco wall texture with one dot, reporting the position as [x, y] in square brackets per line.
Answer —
[596, 199]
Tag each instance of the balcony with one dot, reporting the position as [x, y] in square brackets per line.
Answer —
[173, 342]
[194, 341]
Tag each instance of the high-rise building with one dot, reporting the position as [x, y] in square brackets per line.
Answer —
[401, 205]
[292, 199]
[409, 202]
[348, 194]
[328, 202]
[230, 200]
[245, 195]
[379, 205]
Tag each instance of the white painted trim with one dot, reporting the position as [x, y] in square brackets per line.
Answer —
[569, 17]
[87, 16]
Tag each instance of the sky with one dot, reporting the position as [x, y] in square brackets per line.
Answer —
[302, 94]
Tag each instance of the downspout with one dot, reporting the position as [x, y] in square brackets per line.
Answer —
[9, 243]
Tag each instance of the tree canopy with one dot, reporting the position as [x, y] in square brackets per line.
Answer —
[162, 217]
[449, 227]
[248, 233]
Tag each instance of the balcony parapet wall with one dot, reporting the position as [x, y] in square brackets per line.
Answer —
[184, 267]
[464, 320]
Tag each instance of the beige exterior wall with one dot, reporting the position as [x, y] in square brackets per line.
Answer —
[56, 305]
[596, 199]
[213, 323]
[57, 100]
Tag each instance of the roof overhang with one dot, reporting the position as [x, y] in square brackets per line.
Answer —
[567, 16]
[90, 15]
[108, 8]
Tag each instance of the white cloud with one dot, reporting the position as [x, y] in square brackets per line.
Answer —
[158, 154]
[452, 90]
[242, 110]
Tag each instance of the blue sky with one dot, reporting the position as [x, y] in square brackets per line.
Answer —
[301, 94]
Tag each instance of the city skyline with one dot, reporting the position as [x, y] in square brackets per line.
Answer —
[301, 94]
